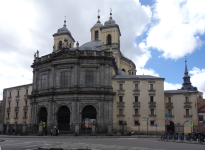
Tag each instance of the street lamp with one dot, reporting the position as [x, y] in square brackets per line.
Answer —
[147, 126]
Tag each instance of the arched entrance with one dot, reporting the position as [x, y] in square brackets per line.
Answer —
[64, 118]
[171, 128]
[90, 113]
[43, 115]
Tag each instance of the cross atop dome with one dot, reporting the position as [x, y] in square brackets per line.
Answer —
[98, 16]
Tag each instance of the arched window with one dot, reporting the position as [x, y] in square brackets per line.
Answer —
[60, 45]
[109, 39]
[96, 35]
[123, 70]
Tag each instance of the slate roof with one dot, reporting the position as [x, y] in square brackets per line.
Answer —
[179, 91]
[136, 77]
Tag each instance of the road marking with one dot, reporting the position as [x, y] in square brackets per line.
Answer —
[129, 138]
[30, 146]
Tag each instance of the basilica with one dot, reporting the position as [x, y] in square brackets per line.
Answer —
[95, 81]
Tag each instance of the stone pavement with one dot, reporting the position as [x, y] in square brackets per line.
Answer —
[76, 146]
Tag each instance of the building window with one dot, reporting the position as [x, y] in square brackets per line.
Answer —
[120, 98]
[17, 104]
[120, 86]
[136, 123]
[187, 112]
[26, 91]
[132, 73]
[136, 86]
[60, 45]
[96, 35]
[169, 99]
[120, 111]
[136, 98]
[89, 78]
[9, 94]
[44, 82]
[151, 86]
[152, 111]
[25, 113]
[152, 123]
[70, 45]
[186, 99]
[16, 114]
[26, 103]
[64, 79]
[17, 93]
[136, 111]
[9, 104]
[123, 70]
[109, 39]
[8, 115]
[170, 112]
[120, 123]
[151, 98]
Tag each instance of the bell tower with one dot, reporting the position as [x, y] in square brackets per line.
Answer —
[63, 38]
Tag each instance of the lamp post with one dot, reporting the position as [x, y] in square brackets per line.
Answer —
[147, 126]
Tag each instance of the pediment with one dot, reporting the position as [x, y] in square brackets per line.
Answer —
[64, 53]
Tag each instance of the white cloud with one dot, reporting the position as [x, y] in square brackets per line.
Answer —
[29, 25]
[179, 24]
[171, 86]
[198, 78]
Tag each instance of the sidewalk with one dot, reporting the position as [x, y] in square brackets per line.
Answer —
[72, 136]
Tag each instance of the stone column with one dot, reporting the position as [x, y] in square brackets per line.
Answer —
[24, 128]
[76, 128]
[109, 128]
[40, 131]
[50, 115]
[124, 128]
[93, 129]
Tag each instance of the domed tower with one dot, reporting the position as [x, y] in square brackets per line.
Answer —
[96, 31]
[63, 38]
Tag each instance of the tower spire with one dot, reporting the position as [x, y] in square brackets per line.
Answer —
[110, 13]
[186, 70]
[98, 16]
[65, 22]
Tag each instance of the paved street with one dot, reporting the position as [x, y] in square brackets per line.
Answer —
[32, 143]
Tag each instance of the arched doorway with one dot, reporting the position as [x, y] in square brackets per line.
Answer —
[171, 128]
[64, 118]
[43, 115]
[90, 113]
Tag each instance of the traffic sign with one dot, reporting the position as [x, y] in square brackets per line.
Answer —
[167, 121]
[190, 123]
[167, 115]
[155, 125]
[178, 124]
[138, 124]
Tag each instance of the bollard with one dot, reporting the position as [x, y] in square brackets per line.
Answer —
[93, 129]
[76, 129]
[40, 131]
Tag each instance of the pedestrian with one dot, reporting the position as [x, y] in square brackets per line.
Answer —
[46, 132]
[8, 131]
[58, 132]
[13, 131]
[51, 131]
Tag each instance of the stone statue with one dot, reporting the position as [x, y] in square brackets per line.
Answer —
[77, 45]
[34, 56]
[65, 44]
[37, 53]
[53, 47]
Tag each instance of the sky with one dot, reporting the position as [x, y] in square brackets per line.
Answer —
[155, 34]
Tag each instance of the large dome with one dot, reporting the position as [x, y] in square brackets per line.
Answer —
[63, 30]
[98, 24]
[110, 22]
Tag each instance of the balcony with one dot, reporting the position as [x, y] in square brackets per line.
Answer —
[24, 117]
[152, 115]
[151, 90]
[17, 96]
[187, 103]
[188, 116]
[136, 115]
[136, 90]
[120, 104]
[16, 109]
[120, 115]
[152, 104]
[135, 104]
[25, 108]
[8, 109]
[169, 105]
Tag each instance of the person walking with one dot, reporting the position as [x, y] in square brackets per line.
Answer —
[13, 131]
[8, 131]
[51, 131]
[46, 131]
[58, 132]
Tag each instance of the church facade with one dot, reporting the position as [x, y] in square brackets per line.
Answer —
[96, 81]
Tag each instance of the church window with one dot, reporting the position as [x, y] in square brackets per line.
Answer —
[109, 39]
[96, 35]
[60, 45]
[44, 82]
[64, 79]
[89, 78]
